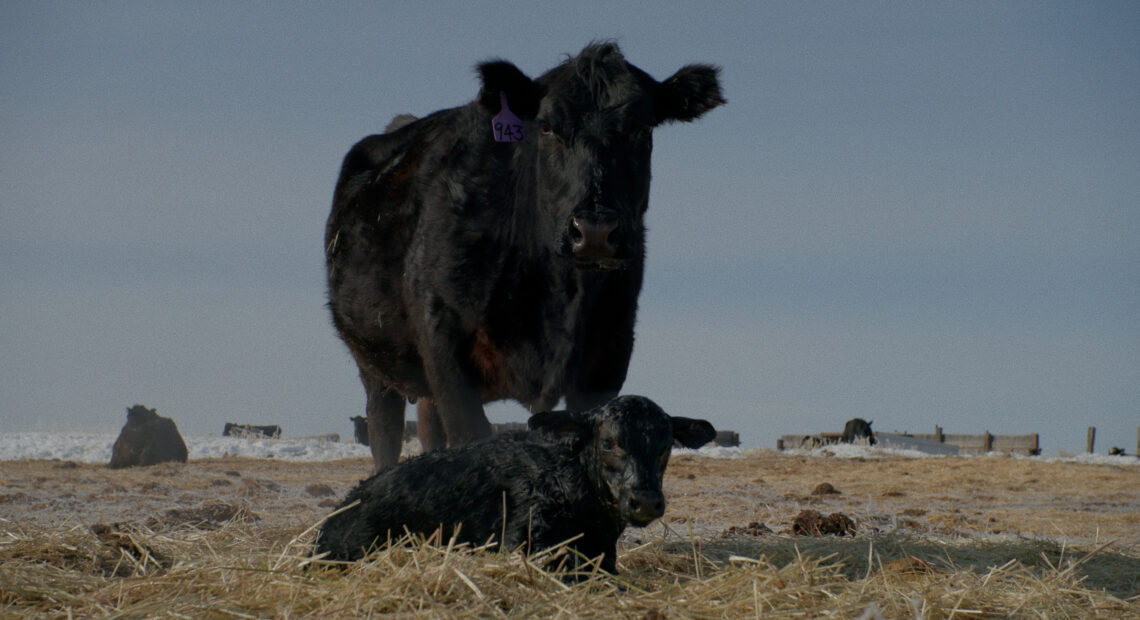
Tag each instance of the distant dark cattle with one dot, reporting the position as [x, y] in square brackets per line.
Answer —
[360, 429]
[496, 250]
[588, 473]
[146, 439]
[251, 430]
[857, 429]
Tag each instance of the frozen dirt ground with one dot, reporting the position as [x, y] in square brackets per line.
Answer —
[983, 498]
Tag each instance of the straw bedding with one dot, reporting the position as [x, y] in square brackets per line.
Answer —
[934, 538]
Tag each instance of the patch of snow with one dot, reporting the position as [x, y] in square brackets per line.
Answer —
[96, 448]
[715, 452]
[1095, 459]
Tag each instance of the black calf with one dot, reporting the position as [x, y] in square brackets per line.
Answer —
[585, 474]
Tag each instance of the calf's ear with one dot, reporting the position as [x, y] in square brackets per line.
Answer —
[690, 93]
[692, 433]
[500, 76]
[562, 426]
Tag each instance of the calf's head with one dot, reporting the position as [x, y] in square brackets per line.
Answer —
[589, 132]
[625, 446]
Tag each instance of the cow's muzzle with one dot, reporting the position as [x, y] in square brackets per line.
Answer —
[593, 239]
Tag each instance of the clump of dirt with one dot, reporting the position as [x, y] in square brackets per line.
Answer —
[120, 543]
[207, 516]
[811, 523]
[909, 565]
[752, 529]
[825, 488]
[257, 486]
[319, 490]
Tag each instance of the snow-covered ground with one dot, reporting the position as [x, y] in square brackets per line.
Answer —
[96, 448]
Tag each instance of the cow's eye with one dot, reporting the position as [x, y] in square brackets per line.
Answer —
[545, 129]
[607, 444]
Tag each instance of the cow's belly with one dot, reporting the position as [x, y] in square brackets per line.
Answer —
[529, 372]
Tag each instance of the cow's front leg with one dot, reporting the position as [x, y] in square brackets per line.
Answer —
[385, 424]
[605, 343]
[459, 407]
[429, 427]
[457, 396]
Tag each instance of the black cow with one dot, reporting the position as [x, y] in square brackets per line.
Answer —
[147, 439]
[588, 473]
[360, 429]
[856, 429]
[462, 269]
[251, 430]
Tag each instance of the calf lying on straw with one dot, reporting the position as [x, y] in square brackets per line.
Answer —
[582, 474]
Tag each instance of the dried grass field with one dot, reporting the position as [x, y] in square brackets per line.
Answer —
[933, 538]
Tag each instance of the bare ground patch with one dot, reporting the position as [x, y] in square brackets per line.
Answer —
[229, 537]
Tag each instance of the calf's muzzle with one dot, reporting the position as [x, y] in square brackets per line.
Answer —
[645, 506]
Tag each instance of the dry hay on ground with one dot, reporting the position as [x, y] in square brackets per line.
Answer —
[962, 537]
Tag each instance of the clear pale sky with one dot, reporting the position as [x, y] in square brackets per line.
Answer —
[914, 213]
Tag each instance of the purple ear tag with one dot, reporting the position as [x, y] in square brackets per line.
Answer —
[507, 126]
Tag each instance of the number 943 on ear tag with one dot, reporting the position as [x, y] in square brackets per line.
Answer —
[507, 126]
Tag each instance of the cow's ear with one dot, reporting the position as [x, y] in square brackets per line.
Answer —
[692, 433]
[687, 95]
[562, 426]
[500, 76]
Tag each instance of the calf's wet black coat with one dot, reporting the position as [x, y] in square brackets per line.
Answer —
[586, 473]
[463, 270]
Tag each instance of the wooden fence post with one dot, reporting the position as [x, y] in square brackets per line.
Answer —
[989, 443]
[940, 438]
[1091, 440]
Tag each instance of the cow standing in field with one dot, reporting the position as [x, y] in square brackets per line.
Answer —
[496, 250]
[360, 429]
[858, 429]
[586, 474]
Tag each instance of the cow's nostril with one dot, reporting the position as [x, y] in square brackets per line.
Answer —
[591, 238]
[615, 234]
